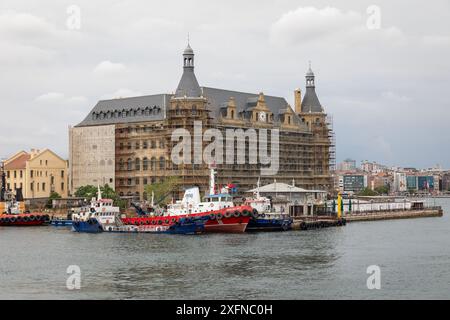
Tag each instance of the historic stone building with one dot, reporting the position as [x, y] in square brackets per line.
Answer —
[128, 143]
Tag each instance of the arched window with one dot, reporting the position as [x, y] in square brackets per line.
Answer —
[144, 144]
[194, 110]
[232, 114]
[121, 164]
[129, 164]
[153, 144]
[153, 164]
[162, 163]
[145, 164]
[137, 164]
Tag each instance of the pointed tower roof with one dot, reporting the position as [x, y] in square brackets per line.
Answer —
[310, 101]
[188, 85]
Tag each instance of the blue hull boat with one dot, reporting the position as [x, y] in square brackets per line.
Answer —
[61, 223]
[89, 226]
[269, 224]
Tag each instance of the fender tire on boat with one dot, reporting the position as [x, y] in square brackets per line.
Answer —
[19, 219]
[174, 220]
[166, 221]
[228, 214]
[12, 220]
[25, 219]
[237, 214]
[159, 222]
[255, 213]
[245, 213]
[212, 216]
[219, 216]
[32, 218]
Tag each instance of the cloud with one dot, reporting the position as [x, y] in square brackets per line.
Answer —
[60, 98]
[310, 24]
[121, 93]
[108, 68]
[389, 95]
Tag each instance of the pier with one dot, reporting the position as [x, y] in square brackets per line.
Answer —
[394, 214]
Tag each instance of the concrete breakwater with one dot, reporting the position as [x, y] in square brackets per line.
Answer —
[389, 215]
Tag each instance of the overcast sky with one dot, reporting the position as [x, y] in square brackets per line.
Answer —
[386, 88]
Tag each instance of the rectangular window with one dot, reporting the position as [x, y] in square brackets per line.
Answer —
[21, 174]
[32, 186]
[62, 186]
[7, 174]
[62, 173]
[31, 173]
[8, 186]
[15, 174]
[43, 186]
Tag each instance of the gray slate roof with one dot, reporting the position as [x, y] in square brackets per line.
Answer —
[188, 85]
[311, 102]
[127, 110]
[219, 98]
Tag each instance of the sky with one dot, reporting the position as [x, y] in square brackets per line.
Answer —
[382, 72]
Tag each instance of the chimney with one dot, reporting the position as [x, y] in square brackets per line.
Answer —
[298, 100]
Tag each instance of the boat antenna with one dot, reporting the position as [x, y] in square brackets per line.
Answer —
[3, 190]
[99, 193]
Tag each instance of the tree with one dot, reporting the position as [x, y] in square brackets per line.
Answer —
[162, 190]
[366, 192]
[53, 196]
[382, 190]
[88, 192]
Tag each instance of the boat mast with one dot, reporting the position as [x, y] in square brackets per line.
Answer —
[212, 181]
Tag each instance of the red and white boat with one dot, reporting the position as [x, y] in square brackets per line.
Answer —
[221, 213]
[224, 215]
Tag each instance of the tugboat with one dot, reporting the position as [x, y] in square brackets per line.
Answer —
[224, 215]
[12, 209]
[102, 216]
[267, 220]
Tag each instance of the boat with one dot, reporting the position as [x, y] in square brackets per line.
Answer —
[61, 222]
[218, 210]
[12, 210]
[224, 215]
[267, 219]
[102, 216]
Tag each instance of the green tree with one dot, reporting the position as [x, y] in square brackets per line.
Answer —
[382, 190]
[162, 190]
[366, 192]
[88, 192]
[53, 196]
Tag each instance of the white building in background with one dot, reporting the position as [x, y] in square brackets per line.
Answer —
[400, 182]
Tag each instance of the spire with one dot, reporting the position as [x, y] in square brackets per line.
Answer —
[188, 85]
[311, 102]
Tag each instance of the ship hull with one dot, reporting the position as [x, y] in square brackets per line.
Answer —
[24, 220]
[261, 224]
[91, 226]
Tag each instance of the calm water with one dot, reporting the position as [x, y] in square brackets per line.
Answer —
[414, 257]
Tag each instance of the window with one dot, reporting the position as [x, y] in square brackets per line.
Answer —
[194, 110]
[162, 144]
[162, 163]
[15, 174]
[121, 164]
[145, 164]
[153, 144]
[137, 164]
[62, 186]
[32, 186]
[31, 173]
[145, 145]
[137, 145]
[144, 181]
[43, 186]
[62, 173]
[137, 181]
[153, 164]
[21, 174]
[121, 146]
[7, 174]
[129, 165]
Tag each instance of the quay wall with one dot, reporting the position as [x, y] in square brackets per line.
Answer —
[389, 215]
